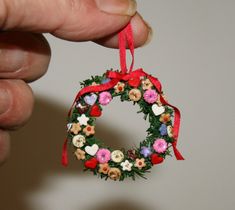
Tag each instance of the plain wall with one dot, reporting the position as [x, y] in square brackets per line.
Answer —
[192, 53]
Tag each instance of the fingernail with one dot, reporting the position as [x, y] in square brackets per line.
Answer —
[4, 101]
[150, 34]
[119, 7]
[11, 58]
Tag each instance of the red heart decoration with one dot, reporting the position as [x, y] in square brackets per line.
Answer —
[95, 111]
[155, 159]
[134, 82]
[91, 163]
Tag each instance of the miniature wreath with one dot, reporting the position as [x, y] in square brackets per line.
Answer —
[118, 164]
[140, 88]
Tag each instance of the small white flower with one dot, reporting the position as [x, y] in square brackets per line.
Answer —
[83, 119]
[126, 166]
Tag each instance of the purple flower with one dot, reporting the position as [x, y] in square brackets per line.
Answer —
[163, 129]
[105, 98]
[145, 151]
[160, 145]
[103, 155]
[150, 96]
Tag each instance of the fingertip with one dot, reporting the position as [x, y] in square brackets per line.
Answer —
[20, 104]
[23, 55]
[142, 33]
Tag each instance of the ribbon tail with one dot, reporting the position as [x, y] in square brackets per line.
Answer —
[64, 160]
[176, 152]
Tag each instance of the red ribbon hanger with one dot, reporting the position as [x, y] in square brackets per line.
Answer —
[125, 38]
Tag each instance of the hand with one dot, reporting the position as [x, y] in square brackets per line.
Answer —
[25, 53]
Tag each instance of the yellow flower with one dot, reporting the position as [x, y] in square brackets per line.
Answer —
[114, 173]
[135, 94]
[104, 168]
[165, 118]
[75, 128]
[147, 84]
[140, 163]
[117, 156]
[89, 130]
[119, 87]
[80, 154]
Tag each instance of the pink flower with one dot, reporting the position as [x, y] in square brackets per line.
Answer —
[150, 96]
[103, 155]
[160, 145]
[105, 98]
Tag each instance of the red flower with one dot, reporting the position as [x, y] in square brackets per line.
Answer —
[155, 159]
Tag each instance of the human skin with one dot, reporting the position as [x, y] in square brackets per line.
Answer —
[25, 53]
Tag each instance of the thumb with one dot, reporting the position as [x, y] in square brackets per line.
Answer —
[77, 20]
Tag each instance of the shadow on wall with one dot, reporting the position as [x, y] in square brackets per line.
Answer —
[36, 152]
[120, 205]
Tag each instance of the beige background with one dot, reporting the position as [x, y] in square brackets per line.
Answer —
[192, 53]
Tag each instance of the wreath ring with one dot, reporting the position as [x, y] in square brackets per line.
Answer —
[140, 88]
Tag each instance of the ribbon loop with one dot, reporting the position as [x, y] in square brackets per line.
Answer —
[125, 38]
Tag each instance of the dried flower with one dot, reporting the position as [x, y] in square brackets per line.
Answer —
[80, 154]
[78, 140]
[131, 153]
[126, 165]
[140, 163]
[104, 168]
[135, 94]
[83, 119]
[105, 98]
[145, 151]
[147, 84]
[114, 173]
[163, 129]
[75, 128]
[103, 155]
[89, 130]
[119, 87]
[165, 118]
[81, 108]
[170, 131]
[150, 96]
[117, 156]
[160, 145]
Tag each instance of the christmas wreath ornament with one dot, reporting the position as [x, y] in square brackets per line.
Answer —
[140, 88]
